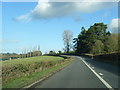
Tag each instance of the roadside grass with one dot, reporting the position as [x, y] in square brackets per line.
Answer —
[23, 80]
[26, 80]
[30, 60]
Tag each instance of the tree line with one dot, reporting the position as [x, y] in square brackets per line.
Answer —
[31, 52]
[96, 40]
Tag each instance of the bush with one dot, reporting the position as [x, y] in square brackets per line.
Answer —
[22, 67]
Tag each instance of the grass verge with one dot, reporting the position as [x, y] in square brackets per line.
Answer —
[22, 81]
[26, 66]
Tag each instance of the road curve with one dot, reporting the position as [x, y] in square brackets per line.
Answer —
[75, 75]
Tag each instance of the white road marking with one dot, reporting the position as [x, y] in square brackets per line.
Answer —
[101, 74]
[101, 79]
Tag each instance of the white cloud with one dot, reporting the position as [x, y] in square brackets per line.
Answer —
[24, 18]
[114, 25]
[48, 10]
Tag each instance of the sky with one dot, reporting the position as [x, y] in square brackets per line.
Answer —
[26, 25]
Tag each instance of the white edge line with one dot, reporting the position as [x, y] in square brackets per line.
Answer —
[103, 81]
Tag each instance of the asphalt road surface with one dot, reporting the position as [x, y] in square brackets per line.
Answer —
[79, 75]
[110, 72]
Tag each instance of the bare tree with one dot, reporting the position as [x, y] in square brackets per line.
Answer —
[38, 51]
[34, 48]
[27, 53]
[22, 54]
[30, 52]
[67, 38]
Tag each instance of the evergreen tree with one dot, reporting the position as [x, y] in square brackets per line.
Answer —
[87, 39]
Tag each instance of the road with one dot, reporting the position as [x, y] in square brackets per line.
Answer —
[110, 72]
[79, 75]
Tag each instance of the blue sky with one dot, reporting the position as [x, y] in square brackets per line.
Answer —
[28, 24]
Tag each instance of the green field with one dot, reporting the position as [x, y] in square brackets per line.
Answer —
[30, 60]
[21, 72]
